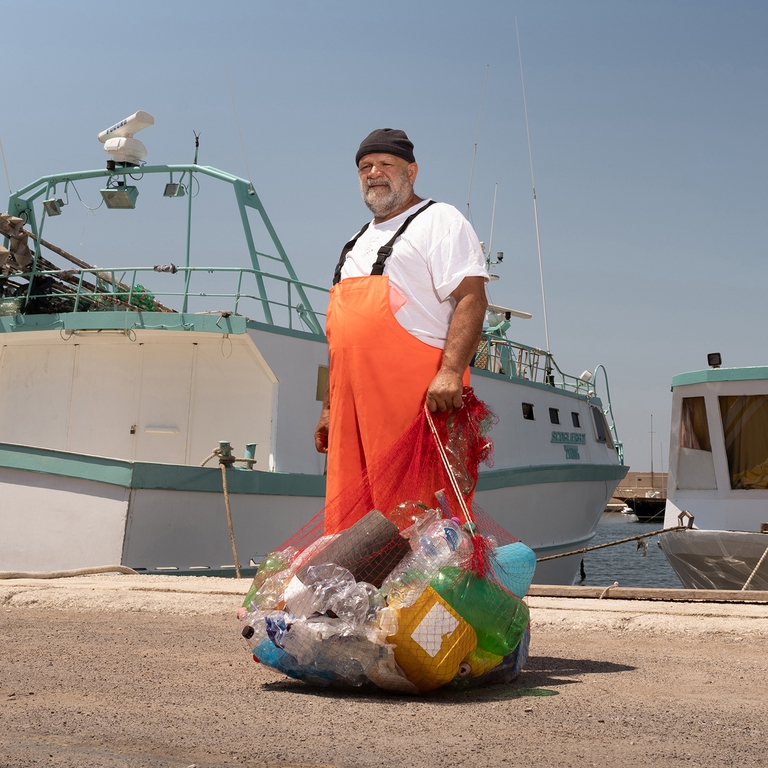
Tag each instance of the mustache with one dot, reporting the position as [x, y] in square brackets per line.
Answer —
[377, 183]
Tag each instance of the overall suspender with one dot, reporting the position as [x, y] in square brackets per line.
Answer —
[383, 253]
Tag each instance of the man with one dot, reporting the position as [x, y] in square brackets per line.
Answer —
[405, 313]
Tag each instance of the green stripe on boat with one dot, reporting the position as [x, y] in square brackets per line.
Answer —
[720, 374]
[553, 473]
[208, 479]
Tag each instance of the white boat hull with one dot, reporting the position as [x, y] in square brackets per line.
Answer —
[156, 402]
[717, 559]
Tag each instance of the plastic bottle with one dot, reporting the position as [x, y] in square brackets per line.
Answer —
[348, 657]
[443, 543]
[321, 646]
[266, 652]
[299, 637]
[270, 565]
[498, 617]
[479, 662]
[331, 589]
[252, 626]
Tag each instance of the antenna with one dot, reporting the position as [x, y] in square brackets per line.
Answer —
[533, 184]
[237, 122]
[493, 218]
[477, 136]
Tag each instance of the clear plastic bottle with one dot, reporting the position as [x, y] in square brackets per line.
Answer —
[329, 588]
[270, 579]
[350, 658]
[442, 544]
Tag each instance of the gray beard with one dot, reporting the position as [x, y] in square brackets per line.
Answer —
[383, 206]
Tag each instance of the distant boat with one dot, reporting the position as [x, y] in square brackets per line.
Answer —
[718, 479]
[618, 513]
[647, 507]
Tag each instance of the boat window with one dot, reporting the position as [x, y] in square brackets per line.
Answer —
[575, 419]
[528, 411]
[602, 433]
[554, 415]
[745, 428]
[694, 430]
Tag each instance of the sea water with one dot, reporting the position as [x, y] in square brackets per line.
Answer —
[624, 562]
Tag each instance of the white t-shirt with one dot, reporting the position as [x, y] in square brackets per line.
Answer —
[428, 261]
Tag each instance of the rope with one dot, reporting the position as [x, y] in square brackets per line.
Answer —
[612, 543]
[757, 568]
[605, 591]
[224, 462]
[228, 460]
[229, 517]
[449, 470]
[67, 574]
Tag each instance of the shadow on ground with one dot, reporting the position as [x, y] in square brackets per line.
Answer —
[539, 677]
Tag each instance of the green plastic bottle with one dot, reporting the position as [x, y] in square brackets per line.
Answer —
[272, 563]
[498, 617]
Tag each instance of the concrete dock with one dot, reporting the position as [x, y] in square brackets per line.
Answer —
[116, 671]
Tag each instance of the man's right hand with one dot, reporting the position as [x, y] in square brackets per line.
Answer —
[321, 433]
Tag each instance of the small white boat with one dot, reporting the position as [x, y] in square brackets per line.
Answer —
[113, 395]
[620, 514]
[718, 479]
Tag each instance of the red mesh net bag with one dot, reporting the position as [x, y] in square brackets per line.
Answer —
[400, 583]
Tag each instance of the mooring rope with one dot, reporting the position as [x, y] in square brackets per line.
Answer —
[67, 574]
[223, 466]
[757, 568]
[612, 543]
[224, 462]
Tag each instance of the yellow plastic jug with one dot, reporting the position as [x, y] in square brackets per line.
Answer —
[431, 641]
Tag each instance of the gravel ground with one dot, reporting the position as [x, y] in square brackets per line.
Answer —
[127, 672]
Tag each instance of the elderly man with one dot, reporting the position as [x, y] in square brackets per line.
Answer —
[405, 313]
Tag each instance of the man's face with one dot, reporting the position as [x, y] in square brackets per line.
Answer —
[386, 183]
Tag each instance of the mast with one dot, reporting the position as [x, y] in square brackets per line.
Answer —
[533, 184]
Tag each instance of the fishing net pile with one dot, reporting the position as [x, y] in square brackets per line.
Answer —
[399, 583]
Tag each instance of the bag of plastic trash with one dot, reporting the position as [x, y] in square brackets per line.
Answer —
[412, 587]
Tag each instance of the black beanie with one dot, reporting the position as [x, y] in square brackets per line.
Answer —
[389, 140]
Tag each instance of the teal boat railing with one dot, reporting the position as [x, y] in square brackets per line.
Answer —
[518, 361]
[122, 288]
[73, 287]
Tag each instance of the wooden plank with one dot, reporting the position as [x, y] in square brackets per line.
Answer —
[641, 593]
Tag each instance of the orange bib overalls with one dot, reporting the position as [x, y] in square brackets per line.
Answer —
[379, 375]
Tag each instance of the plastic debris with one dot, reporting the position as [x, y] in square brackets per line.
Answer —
[421, 596]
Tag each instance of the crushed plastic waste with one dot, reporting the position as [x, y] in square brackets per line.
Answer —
[430, 622]
[408, 600]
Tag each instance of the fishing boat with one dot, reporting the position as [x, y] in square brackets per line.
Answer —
[119, 382]
[718, 478]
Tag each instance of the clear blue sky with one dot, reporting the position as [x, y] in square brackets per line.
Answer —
[648, 124]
